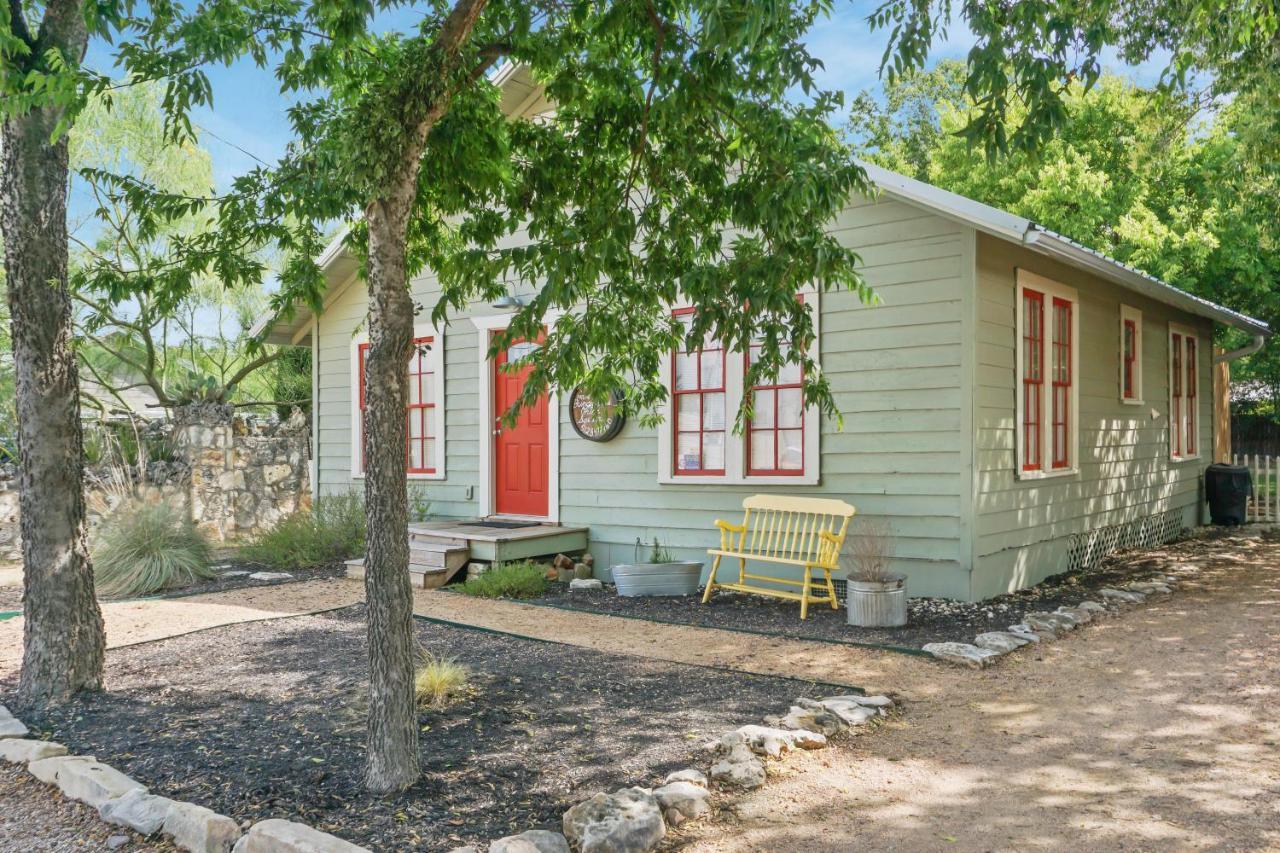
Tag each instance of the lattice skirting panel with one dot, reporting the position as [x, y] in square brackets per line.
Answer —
[1087, 549]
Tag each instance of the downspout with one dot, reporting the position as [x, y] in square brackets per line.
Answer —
[1247, 349]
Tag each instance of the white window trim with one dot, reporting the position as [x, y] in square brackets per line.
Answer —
[1128, 312]
[735, 445]
[435, 360]
[485, 327]
[1187, 334]
[1050, 289]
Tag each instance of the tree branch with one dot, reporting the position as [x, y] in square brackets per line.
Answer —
[18, 23]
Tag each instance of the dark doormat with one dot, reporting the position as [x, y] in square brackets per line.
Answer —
[504, 525]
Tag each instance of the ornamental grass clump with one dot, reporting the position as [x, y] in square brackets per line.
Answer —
[438, 682]
[333, 529]
[523, 579]
[143, 548]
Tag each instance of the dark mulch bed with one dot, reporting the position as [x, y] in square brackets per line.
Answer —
[266, 720]
[11, 596]
[930, 620]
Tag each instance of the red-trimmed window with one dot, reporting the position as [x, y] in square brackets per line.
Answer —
[421, 429]
[1032, 378]
[1190, 448]
[698, 399]
[1176, 407]
[775, 433]
[1062, 380]
[1128, 390]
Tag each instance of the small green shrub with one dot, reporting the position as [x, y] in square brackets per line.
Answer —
[439, 681]
[143, 548]
[659, 553]
[333, 529]
[522, 579]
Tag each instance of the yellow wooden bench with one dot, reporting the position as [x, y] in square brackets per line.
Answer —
[784, 530]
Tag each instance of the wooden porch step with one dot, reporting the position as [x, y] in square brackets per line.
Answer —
[431, 565]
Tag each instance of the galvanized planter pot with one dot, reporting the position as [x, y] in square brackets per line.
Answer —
[679, 578]
[878, 604]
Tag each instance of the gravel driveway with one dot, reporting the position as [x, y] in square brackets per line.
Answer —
[1158, 729]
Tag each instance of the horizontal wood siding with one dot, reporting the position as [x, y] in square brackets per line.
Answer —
[1125, 470]
[895, 370]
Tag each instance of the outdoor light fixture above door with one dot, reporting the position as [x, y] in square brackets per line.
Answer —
[510, 301]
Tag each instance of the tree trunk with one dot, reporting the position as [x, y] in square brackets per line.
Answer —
[63, 635]
[391, 763]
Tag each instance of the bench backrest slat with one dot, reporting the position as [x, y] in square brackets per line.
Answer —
[792, 527]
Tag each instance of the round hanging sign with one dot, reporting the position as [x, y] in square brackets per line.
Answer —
[596, 420]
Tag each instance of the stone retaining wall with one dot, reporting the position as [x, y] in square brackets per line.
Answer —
[235, 476]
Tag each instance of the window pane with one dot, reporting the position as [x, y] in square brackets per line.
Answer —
[688, 412]
[790, 408]
[415, 423]
[686, 371]
[791, 449]
[687, 454]
[713, 451]
[429, 422]
[789, 374]
[415, 389]
[713, 411]
[762, 450]
[762, 403]
[415, 454]
[713, 369]
[429, 453]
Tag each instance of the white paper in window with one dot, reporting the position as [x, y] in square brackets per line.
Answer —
[687, 453]
[712, 370]
[689, 414]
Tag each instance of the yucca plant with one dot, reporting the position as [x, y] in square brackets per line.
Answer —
[438, 681]
[145, 547]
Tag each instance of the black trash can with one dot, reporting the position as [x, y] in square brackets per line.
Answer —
[1227, 489]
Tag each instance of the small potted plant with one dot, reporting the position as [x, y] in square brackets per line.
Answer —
[662, 575]
[877, 598]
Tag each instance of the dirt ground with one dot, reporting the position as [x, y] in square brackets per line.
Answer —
[1155, 730]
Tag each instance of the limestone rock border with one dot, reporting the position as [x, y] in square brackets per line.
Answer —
[123, 801]
[635, 819]
[1042, 626]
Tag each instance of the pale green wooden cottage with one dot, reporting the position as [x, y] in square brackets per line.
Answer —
[1016, 404]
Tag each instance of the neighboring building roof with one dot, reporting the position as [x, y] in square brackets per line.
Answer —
[522, 96]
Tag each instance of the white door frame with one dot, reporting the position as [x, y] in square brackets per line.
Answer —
[485, 326]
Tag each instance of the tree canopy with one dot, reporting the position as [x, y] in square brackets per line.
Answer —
[1184, 192]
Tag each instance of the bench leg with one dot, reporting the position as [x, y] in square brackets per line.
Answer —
[711, 580]
[742, 570]
[831, 589]
[804, 594]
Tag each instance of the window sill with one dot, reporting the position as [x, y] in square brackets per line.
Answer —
[438, 475]
[1132, 402]
[1176, 459]
[758, 480]
[1033, 476]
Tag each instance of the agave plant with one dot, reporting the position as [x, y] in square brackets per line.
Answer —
[145, 547]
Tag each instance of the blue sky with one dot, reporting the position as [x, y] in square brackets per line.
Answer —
[248, 118]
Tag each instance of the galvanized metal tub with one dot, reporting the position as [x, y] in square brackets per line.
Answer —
[878, 604]
[678, 578]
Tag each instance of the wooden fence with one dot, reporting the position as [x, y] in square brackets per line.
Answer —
[1264, 503]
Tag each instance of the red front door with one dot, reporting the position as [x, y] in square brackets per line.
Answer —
[519, 452]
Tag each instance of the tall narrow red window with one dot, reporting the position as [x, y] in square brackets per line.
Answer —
[1189, 438]
[698, 398]
[775, 434]
[1032, 377]
[1176, 404]
[1128, 389]
[420, 412]
[1062, 380]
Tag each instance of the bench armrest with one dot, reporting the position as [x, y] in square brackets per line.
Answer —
[726, 533]
[830, 554]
